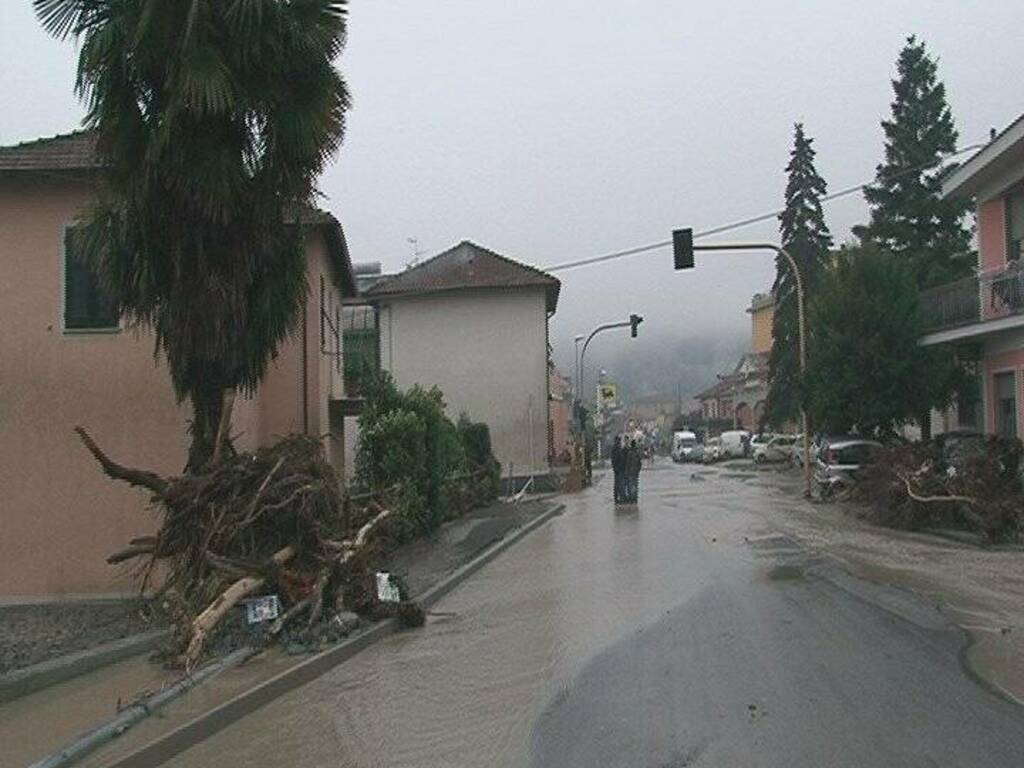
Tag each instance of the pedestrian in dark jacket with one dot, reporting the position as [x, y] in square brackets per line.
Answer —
[633, 462]
[618, 468]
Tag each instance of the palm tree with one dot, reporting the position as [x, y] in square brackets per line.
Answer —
[213, 120]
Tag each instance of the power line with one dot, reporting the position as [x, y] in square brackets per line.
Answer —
[743, 222]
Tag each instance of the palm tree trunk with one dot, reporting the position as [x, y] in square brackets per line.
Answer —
[207, 402]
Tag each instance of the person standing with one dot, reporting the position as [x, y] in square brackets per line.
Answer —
[618, 468]
[632, 471]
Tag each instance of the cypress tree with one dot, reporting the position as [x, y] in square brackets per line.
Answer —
[909, 218]
[807, 239]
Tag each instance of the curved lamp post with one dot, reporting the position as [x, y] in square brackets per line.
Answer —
[682, 241]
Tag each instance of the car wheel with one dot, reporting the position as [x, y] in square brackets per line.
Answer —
[759, 458]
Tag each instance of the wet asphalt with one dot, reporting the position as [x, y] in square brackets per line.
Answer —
[681, 632]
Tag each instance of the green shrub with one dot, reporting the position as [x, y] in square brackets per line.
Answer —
[407, 443]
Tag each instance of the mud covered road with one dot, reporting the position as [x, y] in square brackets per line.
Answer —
[697, 630]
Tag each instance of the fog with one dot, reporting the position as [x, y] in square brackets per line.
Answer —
[550, 131]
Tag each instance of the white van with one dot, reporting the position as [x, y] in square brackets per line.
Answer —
[685, 447]
[735, 443]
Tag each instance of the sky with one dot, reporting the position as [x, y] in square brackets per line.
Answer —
[551, 130]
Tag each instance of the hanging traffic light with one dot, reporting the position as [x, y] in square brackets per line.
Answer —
[634, 321]
[682, 248]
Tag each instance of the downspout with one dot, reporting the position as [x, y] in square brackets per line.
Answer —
[305, 371]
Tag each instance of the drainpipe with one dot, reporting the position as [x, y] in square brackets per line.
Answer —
[305, 370]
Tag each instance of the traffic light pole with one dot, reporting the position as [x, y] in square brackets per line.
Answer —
[801, 323]
[632, 323]
[593, 333]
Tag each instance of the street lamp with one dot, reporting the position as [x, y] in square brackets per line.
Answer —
[682, 253]
[576, 378]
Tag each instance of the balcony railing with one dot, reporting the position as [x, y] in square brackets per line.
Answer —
[974, 299]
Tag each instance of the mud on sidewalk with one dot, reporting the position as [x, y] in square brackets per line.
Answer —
[43, 722]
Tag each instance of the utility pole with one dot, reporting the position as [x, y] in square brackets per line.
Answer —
[682, 252]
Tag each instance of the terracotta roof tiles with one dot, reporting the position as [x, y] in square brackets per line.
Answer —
[467, 266]
[74, 151]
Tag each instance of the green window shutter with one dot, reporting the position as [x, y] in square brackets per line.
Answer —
[86, 305]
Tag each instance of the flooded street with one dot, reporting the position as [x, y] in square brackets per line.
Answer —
[687, 632]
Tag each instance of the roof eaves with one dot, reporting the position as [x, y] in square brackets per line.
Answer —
[961, 181]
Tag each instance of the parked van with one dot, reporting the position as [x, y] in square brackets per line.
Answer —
[735, 444]
[685, 447]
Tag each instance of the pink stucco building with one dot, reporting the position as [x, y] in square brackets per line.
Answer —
[65, 361]
[983, 316]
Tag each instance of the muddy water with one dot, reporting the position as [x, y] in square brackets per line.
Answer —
[467, 689]
[981, 590]
[688, 630]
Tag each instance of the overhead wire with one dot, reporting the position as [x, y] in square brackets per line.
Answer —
[746, 222]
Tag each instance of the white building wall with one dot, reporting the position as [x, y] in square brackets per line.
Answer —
[487, 352]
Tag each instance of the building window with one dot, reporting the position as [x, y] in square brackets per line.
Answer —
[1006, 403]
[1014, 225]
[87, 307]
[968, 402]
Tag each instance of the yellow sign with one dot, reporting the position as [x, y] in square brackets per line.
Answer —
[606, 395]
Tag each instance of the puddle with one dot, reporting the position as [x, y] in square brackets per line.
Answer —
[786, 573]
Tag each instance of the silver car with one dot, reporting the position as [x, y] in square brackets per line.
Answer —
[839, 462]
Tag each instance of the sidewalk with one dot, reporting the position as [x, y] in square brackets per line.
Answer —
[40, 723]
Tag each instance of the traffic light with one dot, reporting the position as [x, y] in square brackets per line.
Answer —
[682, 248]
[634, 321]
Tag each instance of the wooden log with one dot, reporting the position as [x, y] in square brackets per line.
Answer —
[241, 589]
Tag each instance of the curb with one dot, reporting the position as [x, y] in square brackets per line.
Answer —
[209, 723]
[22, 682]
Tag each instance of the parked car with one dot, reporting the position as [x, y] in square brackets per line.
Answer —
[685, 447]
[759, 439]
[839, 462]
[712, 450]
[777, 448]
[735, 444]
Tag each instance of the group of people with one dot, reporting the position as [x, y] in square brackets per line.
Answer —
[627, 459]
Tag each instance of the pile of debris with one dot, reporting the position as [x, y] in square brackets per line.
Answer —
[928, 484]
[272, 521]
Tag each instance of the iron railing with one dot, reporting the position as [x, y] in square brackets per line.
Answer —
[988, 296]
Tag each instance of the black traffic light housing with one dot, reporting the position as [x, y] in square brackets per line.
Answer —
[682, 248]
[634, 321]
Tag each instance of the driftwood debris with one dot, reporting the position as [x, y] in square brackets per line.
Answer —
[268, 521]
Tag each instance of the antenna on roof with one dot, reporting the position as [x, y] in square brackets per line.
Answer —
[416, 252]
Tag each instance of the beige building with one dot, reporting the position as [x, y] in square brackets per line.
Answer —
[475, 324]
[762, 315]
[741, 395]
[66, 361]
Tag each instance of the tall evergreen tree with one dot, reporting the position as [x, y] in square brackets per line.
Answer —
[806, 237]
[908, 215]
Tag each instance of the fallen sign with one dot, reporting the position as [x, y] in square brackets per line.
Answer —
[387, 589]
[262, 608]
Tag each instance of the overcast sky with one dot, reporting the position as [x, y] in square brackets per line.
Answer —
[550, 130]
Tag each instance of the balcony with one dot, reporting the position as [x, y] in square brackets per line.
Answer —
[987, 297]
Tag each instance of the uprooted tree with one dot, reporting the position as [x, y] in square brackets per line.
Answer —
[213, 120]
[268, 521]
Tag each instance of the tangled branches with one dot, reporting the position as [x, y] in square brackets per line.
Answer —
[973, 486]
[269, 520]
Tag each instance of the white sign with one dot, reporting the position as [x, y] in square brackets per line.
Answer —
[387, 591]
[259, 609]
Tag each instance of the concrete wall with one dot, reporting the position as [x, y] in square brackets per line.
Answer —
[992, 235]
[487, 351]
[61, 515]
